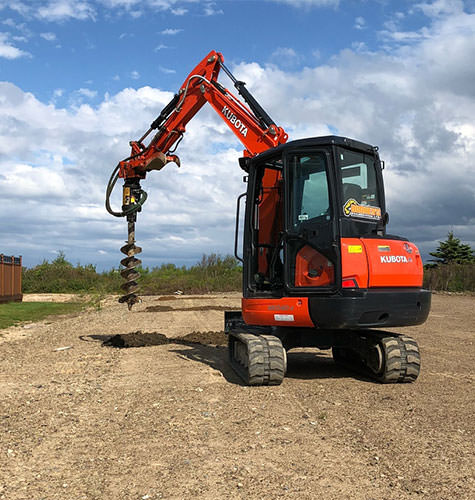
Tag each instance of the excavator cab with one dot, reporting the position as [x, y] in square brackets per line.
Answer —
[302, 198]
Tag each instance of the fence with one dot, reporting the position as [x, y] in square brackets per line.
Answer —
[10, 279]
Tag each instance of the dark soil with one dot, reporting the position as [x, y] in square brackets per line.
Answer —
[195, 308]
[139, 339]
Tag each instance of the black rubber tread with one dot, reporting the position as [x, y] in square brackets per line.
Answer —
[264, 362]
[402, 360]
[413, 359]
[400, 364]
[253, 369]
[276, 360]
[258, 361]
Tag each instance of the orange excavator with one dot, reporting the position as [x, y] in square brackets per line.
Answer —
[319, 269]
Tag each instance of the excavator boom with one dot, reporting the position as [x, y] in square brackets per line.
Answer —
[250, 124]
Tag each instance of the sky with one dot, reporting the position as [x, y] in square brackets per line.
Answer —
[79, 79]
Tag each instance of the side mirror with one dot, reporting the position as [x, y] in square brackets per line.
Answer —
[386, 218]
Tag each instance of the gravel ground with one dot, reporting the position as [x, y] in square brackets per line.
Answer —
[80, 420]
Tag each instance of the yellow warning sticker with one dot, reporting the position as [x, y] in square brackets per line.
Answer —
[126, 196]
[384, 248]
[355, 249]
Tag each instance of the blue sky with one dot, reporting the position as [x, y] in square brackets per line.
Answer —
[80, 78]
[103, 46]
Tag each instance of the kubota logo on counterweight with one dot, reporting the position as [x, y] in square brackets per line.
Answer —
[392, 259]
[235, 120]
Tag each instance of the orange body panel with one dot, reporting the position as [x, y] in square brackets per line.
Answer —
[354, 263]
[393, 263]
[287, 311]
[381, 262]
[310, 261]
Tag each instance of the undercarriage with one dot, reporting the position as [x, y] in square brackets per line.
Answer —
[259, 354]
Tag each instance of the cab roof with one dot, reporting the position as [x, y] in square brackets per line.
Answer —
[327, 140]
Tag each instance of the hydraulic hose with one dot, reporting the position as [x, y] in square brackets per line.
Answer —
[110, 187]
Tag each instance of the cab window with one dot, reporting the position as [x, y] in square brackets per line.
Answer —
[310, 198]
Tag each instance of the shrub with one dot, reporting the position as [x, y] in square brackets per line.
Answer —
[450, 277]
[212, 274]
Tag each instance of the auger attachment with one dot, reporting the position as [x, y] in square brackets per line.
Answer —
[129, 273]
[132, 170]
[131, 204]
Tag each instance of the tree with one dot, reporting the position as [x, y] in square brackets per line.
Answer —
[451, 251]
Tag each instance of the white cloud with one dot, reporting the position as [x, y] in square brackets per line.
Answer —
[78, 147]
[19, 7]
[88, 93]
[440, 8]
[309, 3]
[60, 10]
[19, 38]
[171, 31]
[135, 75]
[161, 46]
[360, 23]
[210, 9]
[9, 51]
[49, 37]
[285, 57]
[180, 11]
[284, 52]
[167, 71]
[63, 10]
[416, 101]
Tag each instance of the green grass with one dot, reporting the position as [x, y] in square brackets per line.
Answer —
[12, 313]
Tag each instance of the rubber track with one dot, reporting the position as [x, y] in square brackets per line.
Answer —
[402, 360]
[276, 360]
[265, 359]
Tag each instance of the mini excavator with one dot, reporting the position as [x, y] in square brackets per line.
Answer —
[319, 269]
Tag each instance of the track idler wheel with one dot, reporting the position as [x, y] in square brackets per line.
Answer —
[257, 359]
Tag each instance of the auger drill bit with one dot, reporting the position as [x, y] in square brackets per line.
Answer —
[133, 198]
[130, 274]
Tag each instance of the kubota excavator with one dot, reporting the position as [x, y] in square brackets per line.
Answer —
[319, 269]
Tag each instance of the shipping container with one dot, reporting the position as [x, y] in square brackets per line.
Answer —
[10, 279]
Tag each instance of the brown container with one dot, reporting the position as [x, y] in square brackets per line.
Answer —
[10, 279]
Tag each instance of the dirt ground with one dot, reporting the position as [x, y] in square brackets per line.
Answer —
[169, 419]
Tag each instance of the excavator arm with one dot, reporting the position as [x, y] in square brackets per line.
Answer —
[249, 122]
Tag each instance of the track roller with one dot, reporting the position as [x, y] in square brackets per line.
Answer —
[388, 359]
[257, 359]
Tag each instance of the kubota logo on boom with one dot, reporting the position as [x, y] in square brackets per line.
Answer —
[394, 259]
[235, 120]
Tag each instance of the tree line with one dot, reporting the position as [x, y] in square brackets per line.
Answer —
[453, 266]
[452, 269]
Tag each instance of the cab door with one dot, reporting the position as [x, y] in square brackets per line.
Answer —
[311, 247]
